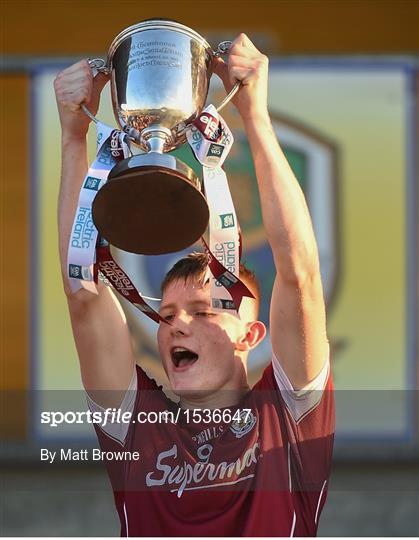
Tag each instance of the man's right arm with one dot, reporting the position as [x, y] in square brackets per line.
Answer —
[99, 326]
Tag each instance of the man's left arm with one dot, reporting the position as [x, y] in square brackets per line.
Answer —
[297, 315]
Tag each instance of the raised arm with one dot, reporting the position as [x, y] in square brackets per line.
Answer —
[99, 327]
[297, 316]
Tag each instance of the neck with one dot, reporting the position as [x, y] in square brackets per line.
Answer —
[217, 400]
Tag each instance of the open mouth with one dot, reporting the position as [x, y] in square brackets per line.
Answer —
[182, 357]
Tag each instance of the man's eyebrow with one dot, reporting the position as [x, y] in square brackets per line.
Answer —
[166, 306]
[199, 302]
[193, 303]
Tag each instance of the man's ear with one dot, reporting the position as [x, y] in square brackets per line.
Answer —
[256, 331]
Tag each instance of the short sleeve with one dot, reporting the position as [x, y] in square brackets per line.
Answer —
[140, 389]
[300, 402]
[118, 430]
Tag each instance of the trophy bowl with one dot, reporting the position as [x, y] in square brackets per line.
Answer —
[153, 203]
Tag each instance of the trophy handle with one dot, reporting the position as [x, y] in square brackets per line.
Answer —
[222, 50]
[97, 65]
[229, 96]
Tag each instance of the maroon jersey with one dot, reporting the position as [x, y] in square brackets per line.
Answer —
[264, 473]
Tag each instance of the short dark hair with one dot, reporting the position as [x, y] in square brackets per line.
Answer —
[194, 266]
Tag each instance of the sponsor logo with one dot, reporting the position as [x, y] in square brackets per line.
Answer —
[196, 138]
[78, 272]
[116, 150]
[84, 230]
[227, 280]
[212, 128]
[227, 221]
[225, 252]
[183, 476]
[215, 150]
[105, 156]
[227, 137]
[245, 424]
[92, 183]
[207, 434]
[74, 271]
[117, 277]
[221, 303]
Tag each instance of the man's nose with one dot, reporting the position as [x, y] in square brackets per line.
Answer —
[181, 325]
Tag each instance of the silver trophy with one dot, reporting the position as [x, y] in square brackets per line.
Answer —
[160, 73]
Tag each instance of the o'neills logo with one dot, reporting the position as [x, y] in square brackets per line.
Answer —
[200, 475]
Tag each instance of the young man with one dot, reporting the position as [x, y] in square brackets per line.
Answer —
[264, 472]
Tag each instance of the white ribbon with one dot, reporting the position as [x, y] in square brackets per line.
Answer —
[82, 245]
[223, 230]
[211, 140]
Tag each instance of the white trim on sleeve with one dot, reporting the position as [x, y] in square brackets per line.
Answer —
[300, 402]
[118, 430]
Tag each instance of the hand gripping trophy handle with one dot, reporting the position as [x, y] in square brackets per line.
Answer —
[222, 50]
[98, 65]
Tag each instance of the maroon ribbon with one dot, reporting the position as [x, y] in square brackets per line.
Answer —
[209, 126]
[106, 264]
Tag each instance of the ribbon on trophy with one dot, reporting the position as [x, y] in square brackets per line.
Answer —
[210, 139]
[88, 254]
[116, 277]
[82, 245]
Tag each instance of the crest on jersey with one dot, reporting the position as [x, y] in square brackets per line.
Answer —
[244, 424]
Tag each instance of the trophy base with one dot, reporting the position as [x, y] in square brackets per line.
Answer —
[151, 204]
